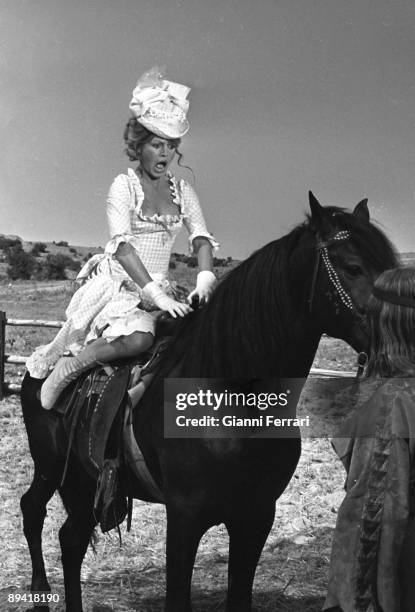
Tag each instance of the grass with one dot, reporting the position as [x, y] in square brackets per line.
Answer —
[291, 574]
[293, 569]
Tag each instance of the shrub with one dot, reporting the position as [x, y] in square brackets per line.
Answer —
[54, 268]
[172, 265]
[38, 247]
[180, 257]
[61, 243]
[55, 265]
[220, 263]
[7, 243]
[192, 262]
[21, 265]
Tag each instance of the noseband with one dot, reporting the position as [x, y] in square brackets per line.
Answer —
[323, 255]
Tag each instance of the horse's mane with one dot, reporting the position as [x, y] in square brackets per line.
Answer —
[249, 315]
[240, 318]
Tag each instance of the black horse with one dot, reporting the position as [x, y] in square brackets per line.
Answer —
[264, 321]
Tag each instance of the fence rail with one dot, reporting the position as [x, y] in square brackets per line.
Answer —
[6, 387]
[33, 322]
[9, 387]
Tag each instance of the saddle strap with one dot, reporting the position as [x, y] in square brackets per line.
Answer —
[110, 505]
[74, 408]
[136, 461]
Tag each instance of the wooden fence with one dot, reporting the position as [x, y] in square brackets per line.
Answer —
[6, 387]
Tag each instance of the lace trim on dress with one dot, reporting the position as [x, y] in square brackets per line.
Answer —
[137, 189]
[38, 364]
[156, 218]
[165, 220]
[202, 234]
[176, 196]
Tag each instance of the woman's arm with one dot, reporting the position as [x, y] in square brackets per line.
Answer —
[119, 225]
[203, 250]
[206, 280]
[201, 242]
[128, 257]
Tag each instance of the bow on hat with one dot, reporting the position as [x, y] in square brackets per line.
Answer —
[161, 105]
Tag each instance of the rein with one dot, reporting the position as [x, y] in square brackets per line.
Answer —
[323, 256]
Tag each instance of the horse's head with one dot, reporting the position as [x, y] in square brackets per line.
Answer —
[349, 252]
[267, 315]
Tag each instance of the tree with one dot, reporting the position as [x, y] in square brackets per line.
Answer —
[6, 243]
[54, 268]
[20, 264]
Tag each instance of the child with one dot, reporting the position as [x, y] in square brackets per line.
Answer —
[373, 555]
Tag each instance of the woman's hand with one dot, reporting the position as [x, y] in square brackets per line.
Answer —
[164, 302]
[205, 284]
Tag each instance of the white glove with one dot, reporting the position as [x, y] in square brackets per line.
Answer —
[163, 301]
[205, 284]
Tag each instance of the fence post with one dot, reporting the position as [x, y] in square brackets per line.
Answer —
[2, 349]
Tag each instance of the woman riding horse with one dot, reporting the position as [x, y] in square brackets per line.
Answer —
[315, 279]
[113, 315]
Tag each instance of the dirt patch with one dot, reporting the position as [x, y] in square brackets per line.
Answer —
[291, 574]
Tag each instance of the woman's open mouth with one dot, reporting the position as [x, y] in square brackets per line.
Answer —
[160, 166]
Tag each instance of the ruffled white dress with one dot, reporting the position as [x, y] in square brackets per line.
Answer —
[109, 303]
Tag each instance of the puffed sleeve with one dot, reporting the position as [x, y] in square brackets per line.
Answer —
[193, 218]
[118, 213]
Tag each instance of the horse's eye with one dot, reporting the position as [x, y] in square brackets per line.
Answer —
[353, 270]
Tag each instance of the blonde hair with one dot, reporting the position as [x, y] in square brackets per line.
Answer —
[136, 135]
[392, 326]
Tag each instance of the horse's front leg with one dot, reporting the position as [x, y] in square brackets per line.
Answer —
[33, 506]
[248, 530]
[185, 527]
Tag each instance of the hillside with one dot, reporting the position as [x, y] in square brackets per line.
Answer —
[75, 255]
[182, 266]
[408, 259]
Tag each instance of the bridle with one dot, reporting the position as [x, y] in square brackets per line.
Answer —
[322, 255]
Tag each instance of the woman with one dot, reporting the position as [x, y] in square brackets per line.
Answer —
[113, 314]
[373, 555]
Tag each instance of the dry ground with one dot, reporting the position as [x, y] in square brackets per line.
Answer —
[292, 573]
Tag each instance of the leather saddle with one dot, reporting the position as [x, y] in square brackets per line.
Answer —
[97, 416]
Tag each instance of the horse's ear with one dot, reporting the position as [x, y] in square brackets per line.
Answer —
[317, 211]
[361, 211]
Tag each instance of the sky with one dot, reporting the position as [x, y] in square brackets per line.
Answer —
[287, 96]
